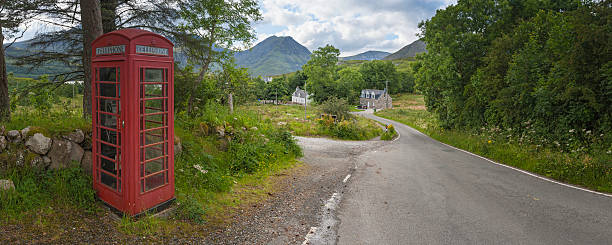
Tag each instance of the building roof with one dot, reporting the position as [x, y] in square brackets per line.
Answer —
[377, 93]
[300, 93]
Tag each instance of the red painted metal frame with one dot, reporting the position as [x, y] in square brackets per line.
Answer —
[130, 200]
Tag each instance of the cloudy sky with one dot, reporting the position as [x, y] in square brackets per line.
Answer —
[353, 26]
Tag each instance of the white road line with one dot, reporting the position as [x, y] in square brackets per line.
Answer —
[346, 178]
[516, 169]
[398, 136]
[310, 234]
[530, 174]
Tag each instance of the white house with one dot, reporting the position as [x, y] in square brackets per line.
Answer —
[300, 96]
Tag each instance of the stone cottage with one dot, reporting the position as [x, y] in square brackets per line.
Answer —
[375, 99]
[300, 97]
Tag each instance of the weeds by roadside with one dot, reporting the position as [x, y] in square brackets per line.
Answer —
[574, 163]
[390, 133]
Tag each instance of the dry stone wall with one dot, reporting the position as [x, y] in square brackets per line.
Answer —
[26, 147]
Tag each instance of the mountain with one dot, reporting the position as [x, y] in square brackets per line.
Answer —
[408, 51]
[274, 56]
[22, 48]
[369, 55]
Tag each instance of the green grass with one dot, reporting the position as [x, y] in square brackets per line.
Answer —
[291, 117]
[591, 168]
[59, 118]
[36, 190]
[233, 171]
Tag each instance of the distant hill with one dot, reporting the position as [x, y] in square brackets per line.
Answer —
[274, 56]
[18, 49]
[408, 51]
[369, 55]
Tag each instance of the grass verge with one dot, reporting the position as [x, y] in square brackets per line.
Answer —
[228, 163]
[312, 123]
[591, 168]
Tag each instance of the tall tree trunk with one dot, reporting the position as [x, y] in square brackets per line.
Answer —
[91, 19]
[5, 102]
[109, 15]
[196, 84]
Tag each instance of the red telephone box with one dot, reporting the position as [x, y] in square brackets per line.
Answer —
[133, 120]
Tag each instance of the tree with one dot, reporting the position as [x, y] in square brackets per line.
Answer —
[92, 28]
[236, 81]
[377, 73]
[297, 79]
[277, 89]
[321, 72]
[211, 28]
[350, 84]
[66, 45]
[12, 15]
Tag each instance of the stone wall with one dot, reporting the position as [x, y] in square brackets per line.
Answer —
[27, 147]
[30, 148]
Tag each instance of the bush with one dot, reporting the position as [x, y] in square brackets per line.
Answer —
[389, 134]
[338, 107]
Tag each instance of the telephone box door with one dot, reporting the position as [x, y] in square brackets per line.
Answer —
[155, 160]
[107, 131]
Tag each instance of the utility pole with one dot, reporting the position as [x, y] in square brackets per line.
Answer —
[386, 93]
[305, 102]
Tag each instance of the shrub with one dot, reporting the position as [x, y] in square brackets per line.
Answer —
[338, 107]
[389, 134]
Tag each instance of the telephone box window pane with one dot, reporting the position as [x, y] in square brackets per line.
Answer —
[109, 136]
[152, 152]
[154, 166]
[149, 123]
[107, 165]
[108, 74]
[108, 121]
[154, 90]
[155, 181]
[153, 75]
[108, 90]
[108, 180]
[159, 119]
[109, 105]
[108, 151]
[154, 136]
[153, 106]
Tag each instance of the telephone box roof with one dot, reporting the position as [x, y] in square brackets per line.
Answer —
[133, 33]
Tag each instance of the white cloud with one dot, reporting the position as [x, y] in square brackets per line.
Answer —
[353, 26]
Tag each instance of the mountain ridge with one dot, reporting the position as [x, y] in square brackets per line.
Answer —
[409, 51]
[368, 55]
[273, 56]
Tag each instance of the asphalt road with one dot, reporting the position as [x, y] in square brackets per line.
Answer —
[419, 191]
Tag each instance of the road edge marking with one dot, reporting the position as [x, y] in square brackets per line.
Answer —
[346, 178]
[528, 173]
[507, 166]
[310, 234]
